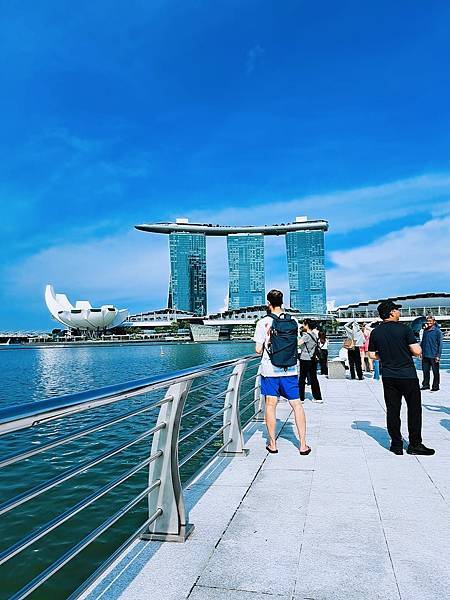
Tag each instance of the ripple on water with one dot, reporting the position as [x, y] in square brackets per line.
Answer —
[34, 374]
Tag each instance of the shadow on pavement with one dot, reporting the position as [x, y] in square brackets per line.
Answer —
[379, 434]
[288, 433]
[439, 408]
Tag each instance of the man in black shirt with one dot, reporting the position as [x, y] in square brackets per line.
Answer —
[395, 344]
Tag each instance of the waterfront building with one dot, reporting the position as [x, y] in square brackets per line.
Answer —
[306, 270]
[306, 264]
[246, 269]
[187, 286]
[413, 306]
[82, 315]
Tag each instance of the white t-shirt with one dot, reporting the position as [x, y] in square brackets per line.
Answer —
[262, 336]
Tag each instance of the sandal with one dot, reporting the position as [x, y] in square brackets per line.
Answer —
[271, 451]
[305, 452]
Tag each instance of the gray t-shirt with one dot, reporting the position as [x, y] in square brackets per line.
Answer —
[308, 346]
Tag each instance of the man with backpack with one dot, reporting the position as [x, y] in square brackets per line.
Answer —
[276, 341]
[309, 357]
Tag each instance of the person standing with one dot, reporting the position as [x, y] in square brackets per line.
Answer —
[356, 338]
[395, 344]
[376, 362]
[366, 361]
[276, 341]
[308, 361]
[323, 358]
[431, 344]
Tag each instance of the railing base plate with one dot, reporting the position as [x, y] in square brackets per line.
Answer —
[245, 452]
[185, 532]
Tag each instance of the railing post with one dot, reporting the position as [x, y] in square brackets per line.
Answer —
[260, 401]
[173, 524]
[232, 435]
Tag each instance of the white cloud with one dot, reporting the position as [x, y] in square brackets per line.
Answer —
[116, 269]
[346, 210]
[132, 268]
[411, 260]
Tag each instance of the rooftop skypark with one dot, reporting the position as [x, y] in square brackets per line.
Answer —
[183, 225]
[187, 247]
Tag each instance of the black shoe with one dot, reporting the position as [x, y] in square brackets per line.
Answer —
[396, 450]
[420, 449]
[425, 387]
[434, 390]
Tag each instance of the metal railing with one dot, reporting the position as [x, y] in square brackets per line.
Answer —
[186, 397]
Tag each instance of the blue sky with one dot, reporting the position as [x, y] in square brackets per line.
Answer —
[241, 111]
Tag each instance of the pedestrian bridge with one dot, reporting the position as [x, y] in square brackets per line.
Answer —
[351, 520]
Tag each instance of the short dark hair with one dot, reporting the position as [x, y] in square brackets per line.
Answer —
[275, 298]
[311, 324]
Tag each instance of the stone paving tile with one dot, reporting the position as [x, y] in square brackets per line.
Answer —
[345, 571]
[249, 564]
[208, 593]
[349, 521]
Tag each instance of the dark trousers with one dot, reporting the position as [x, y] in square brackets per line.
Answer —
[354, 361]
[324, 362]
[394, 390]
[309, 368]
[427, 365]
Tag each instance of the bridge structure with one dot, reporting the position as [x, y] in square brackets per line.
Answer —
[350, 520]
[246, 270]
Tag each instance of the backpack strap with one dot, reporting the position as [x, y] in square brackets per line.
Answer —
[275, 318]
[316, 340]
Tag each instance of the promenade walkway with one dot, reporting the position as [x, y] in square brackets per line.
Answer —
[351, 520]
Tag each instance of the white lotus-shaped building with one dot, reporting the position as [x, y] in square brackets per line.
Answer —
[83, 315]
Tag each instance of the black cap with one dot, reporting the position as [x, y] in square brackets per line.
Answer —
[384, 309]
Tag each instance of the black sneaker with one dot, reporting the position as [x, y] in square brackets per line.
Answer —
[425, 387]
[396, 450]
[420, 449]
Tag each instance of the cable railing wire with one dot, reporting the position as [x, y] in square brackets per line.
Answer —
[44, 411]
[191, 454]
[74, 510]
[70, 554]
[74, 436]
[203, 424]
[70, 473]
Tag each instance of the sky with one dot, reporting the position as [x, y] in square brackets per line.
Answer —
[236, 112]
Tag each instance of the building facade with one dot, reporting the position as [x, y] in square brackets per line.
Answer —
[305, 254]
[246, 270]
[187, 286]
[412, 307]
[306, 270]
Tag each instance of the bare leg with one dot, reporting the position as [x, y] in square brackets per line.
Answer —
[271, 420]
[300, 423]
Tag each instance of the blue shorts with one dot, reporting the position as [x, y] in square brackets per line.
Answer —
[280, 386]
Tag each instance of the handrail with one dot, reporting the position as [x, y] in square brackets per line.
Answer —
[71, 512]
[168, 518]
[21, 416]
[58, 564]
[41, 489]
[64, 439]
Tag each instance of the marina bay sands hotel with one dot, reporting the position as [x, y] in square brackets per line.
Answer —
[187, 246]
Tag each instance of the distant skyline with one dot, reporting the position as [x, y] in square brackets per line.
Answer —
[249, 112]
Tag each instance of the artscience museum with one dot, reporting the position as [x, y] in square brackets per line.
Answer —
[82, 315]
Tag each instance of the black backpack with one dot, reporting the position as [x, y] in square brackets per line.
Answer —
[282, 349]
[317, 354]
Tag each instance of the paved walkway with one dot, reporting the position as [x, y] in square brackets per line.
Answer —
[351, 520]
